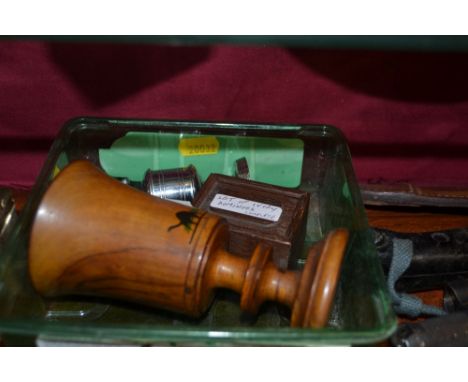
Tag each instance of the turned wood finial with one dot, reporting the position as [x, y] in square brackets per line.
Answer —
[93, 235]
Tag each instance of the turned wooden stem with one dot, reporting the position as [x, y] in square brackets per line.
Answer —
[232, 272]
[226, 271]
[93, 235]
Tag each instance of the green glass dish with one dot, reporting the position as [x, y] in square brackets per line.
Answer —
[361, 313]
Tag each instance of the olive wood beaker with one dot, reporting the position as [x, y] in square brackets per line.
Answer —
[93, 235]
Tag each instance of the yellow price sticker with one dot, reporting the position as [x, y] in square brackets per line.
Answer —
[198, 146]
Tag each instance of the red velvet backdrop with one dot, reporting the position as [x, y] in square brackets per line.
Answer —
[404, 114]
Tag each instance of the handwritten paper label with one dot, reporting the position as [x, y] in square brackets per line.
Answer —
[246, 207]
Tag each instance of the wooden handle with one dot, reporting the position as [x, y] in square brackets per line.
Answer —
[93, 235]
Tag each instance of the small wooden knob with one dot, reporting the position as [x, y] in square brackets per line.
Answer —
[319, 281]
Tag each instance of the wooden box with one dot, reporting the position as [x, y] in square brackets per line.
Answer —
[258, 212]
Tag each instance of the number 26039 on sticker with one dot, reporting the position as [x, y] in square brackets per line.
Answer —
[198, 146]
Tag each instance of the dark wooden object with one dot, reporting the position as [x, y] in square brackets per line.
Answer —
[285, 236]
[409, 195]
[416, 220]
[94, 235]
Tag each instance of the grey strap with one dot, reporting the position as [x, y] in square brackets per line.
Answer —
[404, 303]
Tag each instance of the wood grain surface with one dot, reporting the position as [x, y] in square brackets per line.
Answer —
[285, 235]
[93, 235]
[413, 220]
[397, 219]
